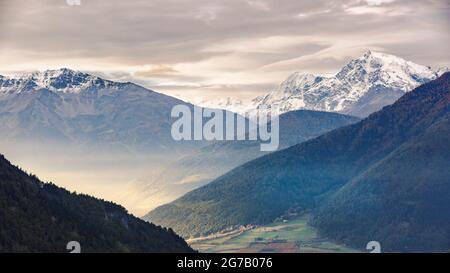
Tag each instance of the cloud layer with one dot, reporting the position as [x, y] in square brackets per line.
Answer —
[216, 48]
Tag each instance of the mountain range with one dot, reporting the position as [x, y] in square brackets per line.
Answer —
[67, 106]
[385, 178]
[87, 133]
[207, 163]
[41, 217]
[363, 86]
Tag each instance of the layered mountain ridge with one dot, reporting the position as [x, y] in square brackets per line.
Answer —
[384, 179]
[197, 169]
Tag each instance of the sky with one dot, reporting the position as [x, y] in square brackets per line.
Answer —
[217, 48]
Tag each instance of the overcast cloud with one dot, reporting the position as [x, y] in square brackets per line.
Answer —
[211, 48]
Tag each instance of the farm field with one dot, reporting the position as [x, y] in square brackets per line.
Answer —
[294, 236]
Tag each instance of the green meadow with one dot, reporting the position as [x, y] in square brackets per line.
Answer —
[294, 236]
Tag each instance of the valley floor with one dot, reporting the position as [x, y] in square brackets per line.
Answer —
[293, 236]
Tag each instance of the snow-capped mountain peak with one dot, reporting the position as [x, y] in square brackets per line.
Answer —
[375, 68]
[288, 87]
[442, 70]
[362, 86]
[368, 83]
[65, 80]
[228, 103]
[78, 108]
[59, 80]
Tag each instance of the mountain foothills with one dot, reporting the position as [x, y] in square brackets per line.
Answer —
[41, 217]
[385, 178]
[361, 87]
[206, 164]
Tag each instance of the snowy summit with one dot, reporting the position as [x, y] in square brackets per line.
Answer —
[361, 87]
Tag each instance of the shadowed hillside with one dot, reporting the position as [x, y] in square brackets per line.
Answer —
[304, 177]
[199, 168]
[41, 217]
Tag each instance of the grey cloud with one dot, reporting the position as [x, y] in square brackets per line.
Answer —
[121, 33]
